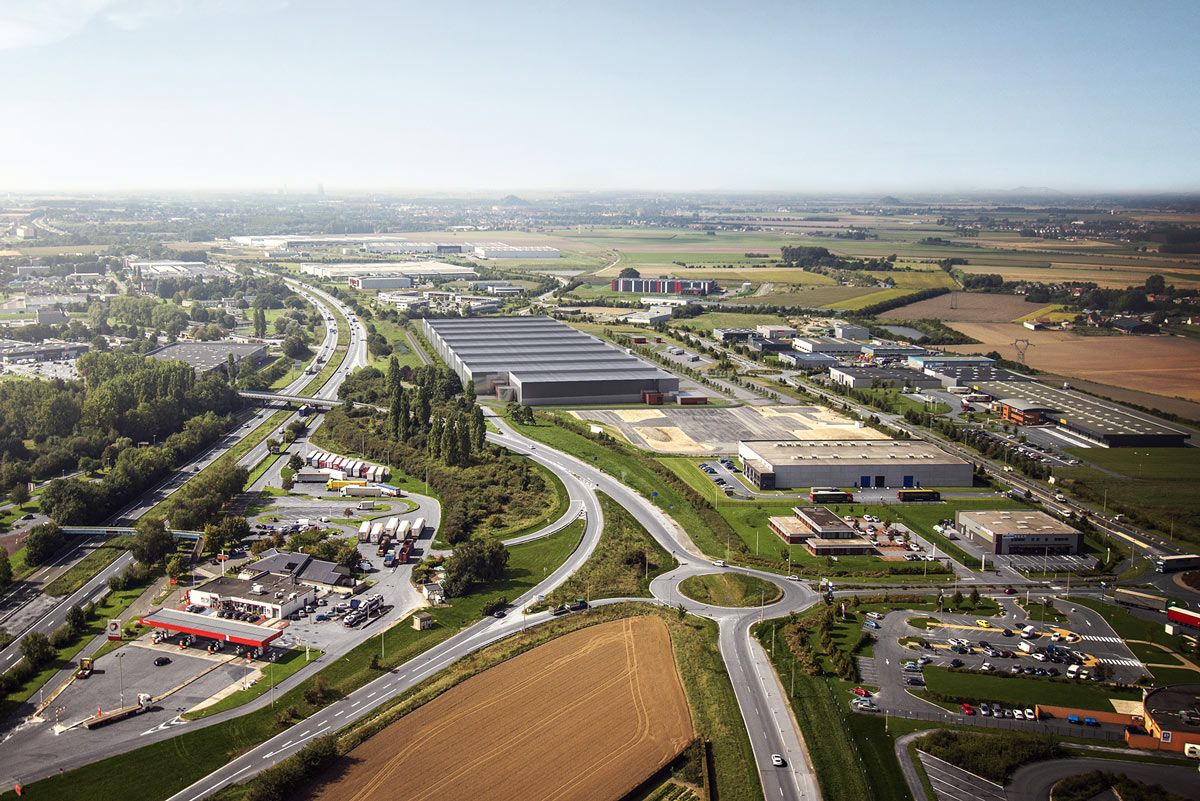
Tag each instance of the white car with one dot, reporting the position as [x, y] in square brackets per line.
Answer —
[1018, 714]
[777, 760]
[793, 577]
[718, 563]
[1029, 714]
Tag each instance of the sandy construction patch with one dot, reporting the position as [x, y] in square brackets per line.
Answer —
[587, 716]
[638, 415]
[671, 438]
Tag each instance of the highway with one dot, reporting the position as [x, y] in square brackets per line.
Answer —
[45, 613]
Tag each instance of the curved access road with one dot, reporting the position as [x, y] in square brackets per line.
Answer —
[1033, 782]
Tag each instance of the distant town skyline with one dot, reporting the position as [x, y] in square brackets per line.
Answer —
[870, 97]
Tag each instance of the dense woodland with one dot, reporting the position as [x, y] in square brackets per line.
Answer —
[430, 426]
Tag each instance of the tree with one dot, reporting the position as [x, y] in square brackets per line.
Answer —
[5, 568]
[469, 393]
[478, 428]
[75, 618]
[231, 368]
[226, 533]
[629, 272]
[287, 483]
[44, 541]
[474, 562]
[36, 649]
[957, 600]
[260, 323]
[296, 462]
[152, 541]
[19, 494]
[404, 418]
[974, 596]
[177, 567]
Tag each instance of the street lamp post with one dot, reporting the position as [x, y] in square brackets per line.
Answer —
[121, 674]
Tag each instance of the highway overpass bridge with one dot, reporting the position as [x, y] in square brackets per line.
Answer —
[277, 399]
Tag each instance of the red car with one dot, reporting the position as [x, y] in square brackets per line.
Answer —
[967, 710]
[1009, 591]
[860, 692]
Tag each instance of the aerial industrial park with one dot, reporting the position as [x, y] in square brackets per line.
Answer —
[414, 419]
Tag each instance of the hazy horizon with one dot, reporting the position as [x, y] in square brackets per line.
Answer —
[788, 98]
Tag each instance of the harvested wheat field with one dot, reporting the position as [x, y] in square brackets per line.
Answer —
[1160, 365]
[588, 715]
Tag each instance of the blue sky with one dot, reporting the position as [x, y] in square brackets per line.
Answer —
[799, 96]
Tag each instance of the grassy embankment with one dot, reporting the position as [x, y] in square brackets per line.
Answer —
[124, 777]
[1153, 487]
[626, 559]
[971, 687]
[730, 589]
[89, 566]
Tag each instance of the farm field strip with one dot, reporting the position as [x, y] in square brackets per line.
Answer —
[492, 736]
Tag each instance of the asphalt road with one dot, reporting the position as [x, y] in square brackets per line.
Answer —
[50, 613]
[1033, 782]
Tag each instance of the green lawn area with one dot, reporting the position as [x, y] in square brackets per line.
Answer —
[1153, 487]
[1036, 610]
[401, 348]
[1022, 691]
[262, 467]
[87, 567]
[730, 589]
[709, 320]
[623, 564]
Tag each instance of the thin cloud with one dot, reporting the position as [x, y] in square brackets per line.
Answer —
[36, 23]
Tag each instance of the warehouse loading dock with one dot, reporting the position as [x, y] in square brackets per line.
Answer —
[783, 464]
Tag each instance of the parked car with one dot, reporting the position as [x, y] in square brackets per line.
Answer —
[859, 691]
[967, 710]
[956, 663]
[162, 660]
[1029, 714]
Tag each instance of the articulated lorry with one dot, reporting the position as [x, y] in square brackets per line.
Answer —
[104, 718]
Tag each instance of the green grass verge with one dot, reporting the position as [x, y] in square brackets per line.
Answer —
[275, 673]
[1129, 627]
[86, 568]
[1024, 692]
[112, 606]
[626, 559]
[262, 467]
[730, 589]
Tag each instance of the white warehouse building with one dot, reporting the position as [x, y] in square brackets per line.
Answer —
[516, 252]
[787, 464]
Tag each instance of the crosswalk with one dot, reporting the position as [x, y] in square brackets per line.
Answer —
[1119, 662]
[1098, 638]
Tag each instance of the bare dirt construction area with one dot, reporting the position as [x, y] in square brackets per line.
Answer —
[1160, 365]
[700, 430]
[587, 716]
[971, 307]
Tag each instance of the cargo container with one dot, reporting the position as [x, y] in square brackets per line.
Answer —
[389, 527]
[364, 530]
[1178, 615]
[389, 490]
[324, 459]
[1168, 564]
[1143, 600]
[348, 468]
[376, 530]
[384, 472]
[336, 484]
[312, 455]
[418, 528]
[404, 552]
[361, 491]
[375, 474]
[404, 530]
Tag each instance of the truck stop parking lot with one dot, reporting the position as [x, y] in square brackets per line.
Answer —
[133, 667]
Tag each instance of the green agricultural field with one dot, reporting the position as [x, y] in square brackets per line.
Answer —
[1153, 487]
[710, 320]
[810, 296]
[929, 279]
[867, 300]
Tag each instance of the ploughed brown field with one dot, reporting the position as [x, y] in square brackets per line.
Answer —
[589, 715]
[971, 306]
[1160, 365]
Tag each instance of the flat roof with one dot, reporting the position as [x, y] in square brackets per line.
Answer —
[1175, 708]
[1017, 521]
[1074, 409]
[822, 518]
[838, 452]
[904, 373]
[973, 373]
[211, 626]
[536, 349]
[791, 526]
[205, 356]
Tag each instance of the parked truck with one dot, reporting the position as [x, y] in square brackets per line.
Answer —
[384, 541]
[376, 530]
[389, 527]
[1169, 564]
[404, 530]
[364, 531]
[1143, 600]
[335, 484]
[356, 491]
[102, 718]
[418, 527]
[86, 666]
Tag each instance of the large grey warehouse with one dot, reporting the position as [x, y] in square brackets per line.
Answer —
[538, 361]
[785, 464]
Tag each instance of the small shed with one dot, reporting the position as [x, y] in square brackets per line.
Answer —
[422, 621]
[434, 593]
